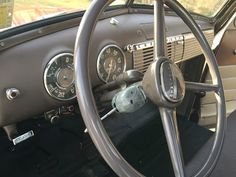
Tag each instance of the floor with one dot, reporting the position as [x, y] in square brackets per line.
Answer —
[64, 150]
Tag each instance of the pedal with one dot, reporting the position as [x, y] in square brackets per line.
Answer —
[23, 137]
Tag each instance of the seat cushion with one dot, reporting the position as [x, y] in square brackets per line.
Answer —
[227, 159]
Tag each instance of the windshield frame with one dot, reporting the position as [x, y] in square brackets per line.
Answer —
[129, 4]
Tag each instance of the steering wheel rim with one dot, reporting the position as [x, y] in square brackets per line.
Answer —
[88, 107]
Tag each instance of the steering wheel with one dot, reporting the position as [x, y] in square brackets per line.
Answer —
[163, 83]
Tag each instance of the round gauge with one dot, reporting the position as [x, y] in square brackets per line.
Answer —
[59, 78]
[111, 63]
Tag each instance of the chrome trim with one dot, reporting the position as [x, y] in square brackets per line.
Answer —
[114, 21]
[99, 58]
[174, 75]
[45, 76]
[104, 117]
[172, 81]
[143, 45]
[23, 137]
[12, 93]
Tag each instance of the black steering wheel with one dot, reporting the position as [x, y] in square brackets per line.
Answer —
[162, 83]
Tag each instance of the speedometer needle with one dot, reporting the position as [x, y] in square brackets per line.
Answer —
[109, 72]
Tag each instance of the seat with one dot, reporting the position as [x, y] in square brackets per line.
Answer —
[225, 166]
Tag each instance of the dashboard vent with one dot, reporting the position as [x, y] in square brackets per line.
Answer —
[179, 48]
[192, 47]
[144, 57]
[143, 53]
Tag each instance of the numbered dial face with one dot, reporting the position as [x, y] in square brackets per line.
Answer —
[59, 78]
[111, 63]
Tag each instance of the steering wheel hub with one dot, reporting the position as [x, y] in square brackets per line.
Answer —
[163, 83]
[172, 82]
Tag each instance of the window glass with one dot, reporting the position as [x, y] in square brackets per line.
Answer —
[207, 8]
[18, 12]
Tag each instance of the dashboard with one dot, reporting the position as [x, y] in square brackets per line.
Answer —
[41, 69]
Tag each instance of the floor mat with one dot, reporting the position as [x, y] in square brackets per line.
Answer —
[144, 145]
[147, 149]
[54, 151]
[63, 150]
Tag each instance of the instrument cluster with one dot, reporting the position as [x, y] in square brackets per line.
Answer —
[111, 63]
[59, 76]
[59, 79]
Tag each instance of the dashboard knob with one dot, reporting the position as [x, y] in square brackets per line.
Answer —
[114, 21]
[12, 93]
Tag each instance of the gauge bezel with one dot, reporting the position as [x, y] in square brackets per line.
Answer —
[99, 58]
[52, 60]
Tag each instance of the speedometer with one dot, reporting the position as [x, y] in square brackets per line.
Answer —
[59, 77]
[111, 63]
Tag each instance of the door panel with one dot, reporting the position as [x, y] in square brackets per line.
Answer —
[208, 103]
[226, 58]
[225, 54]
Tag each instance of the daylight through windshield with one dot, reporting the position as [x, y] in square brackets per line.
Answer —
[207, 8]
[18, 12]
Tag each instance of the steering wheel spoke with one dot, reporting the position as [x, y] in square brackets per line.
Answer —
[160, 47]
[170, 126]
[201, 87]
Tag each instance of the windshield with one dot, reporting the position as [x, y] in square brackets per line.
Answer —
[18, 12]
[207, 8]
